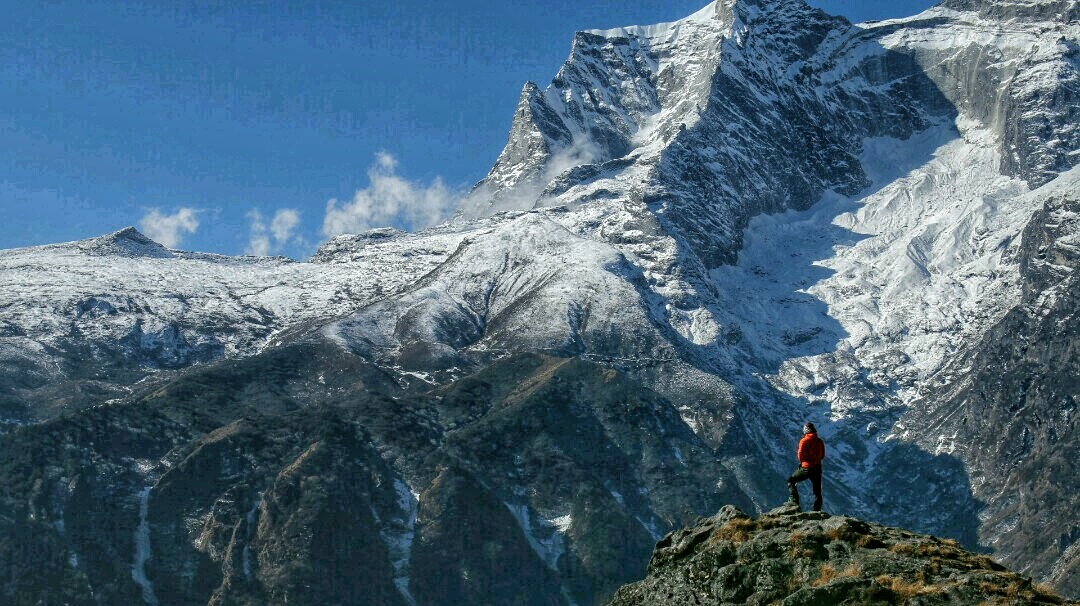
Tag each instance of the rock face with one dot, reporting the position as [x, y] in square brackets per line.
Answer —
[233, 485]
[699, 235]
[1017, 403]
[794, 558]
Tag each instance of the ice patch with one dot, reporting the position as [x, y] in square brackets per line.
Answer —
[893, 279]
[398, 535]
[142, 549]
[546, 538]
[144, 466]
[562, 523]
[250, 520]
[618, 497]
[678, 455]
[651, 527]
[945, 444]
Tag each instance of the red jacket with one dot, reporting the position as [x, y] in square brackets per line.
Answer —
[811, 450]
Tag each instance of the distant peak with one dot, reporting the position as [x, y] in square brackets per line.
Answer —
[130, 233]
[342, 247]
[127, 242]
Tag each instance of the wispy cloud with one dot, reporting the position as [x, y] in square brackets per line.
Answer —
[389, 200]
[265, 238]
[169, 230]
[528, 192]
[284, 225]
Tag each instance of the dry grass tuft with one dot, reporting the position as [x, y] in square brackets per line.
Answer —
[904, 588]
[856, 534]
[803, 545]
[868, 542]
[1045, 593]
[1020, 590]
[988, 587]
[1015, 589]
[927, 549]
[766, 522]
[985, 561]
[736, 530]
[827, 573]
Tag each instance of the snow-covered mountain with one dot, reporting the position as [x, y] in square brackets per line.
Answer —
[699, 235]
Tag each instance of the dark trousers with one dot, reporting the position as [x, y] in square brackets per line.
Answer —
[806, 473]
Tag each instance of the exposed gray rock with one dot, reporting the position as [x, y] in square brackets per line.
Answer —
[1013, 411]
[793, 558]
[1060, 11]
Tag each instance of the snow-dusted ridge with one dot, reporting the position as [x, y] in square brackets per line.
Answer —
[663, 31]
[123, 301]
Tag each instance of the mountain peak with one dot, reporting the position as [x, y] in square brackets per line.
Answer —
[793, 557]
[130, 233]
[710, 12]
[126, 242]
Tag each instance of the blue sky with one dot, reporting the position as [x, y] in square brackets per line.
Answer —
[229, 128]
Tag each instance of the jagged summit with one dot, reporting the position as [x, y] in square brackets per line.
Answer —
[715, 11]
[621, 93]
[803, 558]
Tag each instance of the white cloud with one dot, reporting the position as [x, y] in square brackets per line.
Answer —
[267, 238]
[169, 230]
[580, 153]
[528, 193]
[389, 200]
[285, 222]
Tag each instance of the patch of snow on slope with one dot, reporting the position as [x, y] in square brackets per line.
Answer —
[546, 538]
[250, 520]
[235, 303]
[399, 537]
[890, 280]
[142, 550]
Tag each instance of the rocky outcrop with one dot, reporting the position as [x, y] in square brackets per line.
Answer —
[795, 558]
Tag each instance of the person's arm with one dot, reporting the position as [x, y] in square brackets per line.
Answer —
[802, 450]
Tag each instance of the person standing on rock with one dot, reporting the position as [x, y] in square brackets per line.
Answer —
[811, 452]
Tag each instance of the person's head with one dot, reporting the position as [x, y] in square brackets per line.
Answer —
[809, 428]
